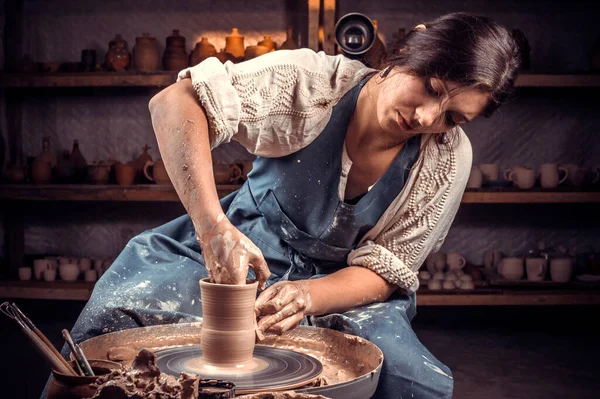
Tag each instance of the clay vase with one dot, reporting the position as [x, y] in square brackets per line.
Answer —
[268, 43]
[41, 168]
[159, 172]
[290, 43]
[146, 57]
[79, 162]
[62, 386]
[203, 50]
[125, 173]
[64, 171]
[255, 51]
[175, 57]
[228, 326]
[139, 164]
[234, 44]
[118, 57]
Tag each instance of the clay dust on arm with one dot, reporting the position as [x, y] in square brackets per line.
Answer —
[182, 133]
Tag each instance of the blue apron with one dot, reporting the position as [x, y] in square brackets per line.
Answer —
[290, 208]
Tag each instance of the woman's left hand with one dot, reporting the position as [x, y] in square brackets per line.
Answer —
[283, 305]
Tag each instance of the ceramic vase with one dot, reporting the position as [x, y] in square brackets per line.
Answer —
[228, 326]
[41, 168]
[289, 43]
[118, 57]
[175, 57]
[146, 57]
[203, 50]
[234, 44]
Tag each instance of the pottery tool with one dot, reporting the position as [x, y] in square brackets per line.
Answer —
[78, 354]
[36, 330]
[38, 343]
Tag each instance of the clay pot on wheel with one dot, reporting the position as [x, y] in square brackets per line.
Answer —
[228, 329]
[62, 386]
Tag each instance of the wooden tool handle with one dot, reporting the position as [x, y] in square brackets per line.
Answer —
[46, 352]
[56, 352]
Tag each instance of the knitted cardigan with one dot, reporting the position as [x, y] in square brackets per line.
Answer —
[280, 102]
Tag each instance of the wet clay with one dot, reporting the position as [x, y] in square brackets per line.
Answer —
[228, 331]
[205, 369]
[282, 395]
[144, 380]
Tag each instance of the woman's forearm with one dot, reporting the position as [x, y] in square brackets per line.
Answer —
[181, 130]
[347, 289]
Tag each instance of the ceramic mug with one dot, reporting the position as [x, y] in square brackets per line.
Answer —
[561, 270]
[475, 178]
[576, 174]
[50, 274]
[159, 173]
[25, 273]
[549, 175]
[536, 268]
[455, 261]
[39, 265]
[436, 262]
[490, 171]
[511, 268]
[523, 178]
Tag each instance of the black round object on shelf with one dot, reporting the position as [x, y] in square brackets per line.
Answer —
[354, 34]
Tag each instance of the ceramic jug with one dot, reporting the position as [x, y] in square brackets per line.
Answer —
[41, 168]
[175, 57]
[289, 43]
[203, 50]
[146, 57]
[79, 162]
[140, 162]
[159, 172]
[118, 57]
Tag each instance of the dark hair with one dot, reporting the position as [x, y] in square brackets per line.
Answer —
[465, 48]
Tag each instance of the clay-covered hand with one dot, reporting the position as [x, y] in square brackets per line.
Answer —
[228, 253]
[283, 305]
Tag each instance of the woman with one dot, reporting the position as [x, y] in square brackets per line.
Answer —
[359, 174]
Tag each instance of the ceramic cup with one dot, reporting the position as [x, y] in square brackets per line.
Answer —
[523, 178]
[25, 273]
[475, 178]
[124, 173]
[455, 261]
[90, 276]
[39, 265]
[85, 264]
[536, 268]
[490, 171]
[436, 262]
[228, 327]
[576, 174]
[511, 268]
[50, 274]
[561, 270]
[550, 177]
[69, 271]
[53, 261]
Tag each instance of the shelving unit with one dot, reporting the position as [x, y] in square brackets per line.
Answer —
[163, 79]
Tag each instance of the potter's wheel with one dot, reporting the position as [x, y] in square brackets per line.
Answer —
[280, 368]
[351, 365]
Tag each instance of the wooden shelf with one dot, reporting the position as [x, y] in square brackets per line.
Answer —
[81, 291]
[166, 193]
[82, 192]
[558, 80]
[509, 196]
[87, 79]
[165, 78]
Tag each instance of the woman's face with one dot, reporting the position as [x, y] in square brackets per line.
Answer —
[408, 104]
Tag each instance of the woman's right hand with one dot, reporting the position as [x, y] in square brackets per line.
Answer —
[228, 253]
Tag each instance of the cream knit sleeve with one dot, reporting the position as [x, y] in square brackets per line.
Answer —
[274, 104]
[422, 221]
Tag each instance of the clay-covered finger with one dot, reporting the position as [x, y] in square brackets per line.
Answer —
[286, 324]
[288, 310]
[264, 297]
[262, 272]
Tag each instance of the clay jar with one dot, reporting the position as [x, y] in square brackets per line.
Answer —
[203, 50]
[234, 44]
[159, 172]
[146, 57]
[68, 271]
[125, 173]
[41, 168]
[228, 333]
[255, 51]
[118, 57]
[62, 386]
[98, 173]
[268, 43]
[290, 43]
[175, 57]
